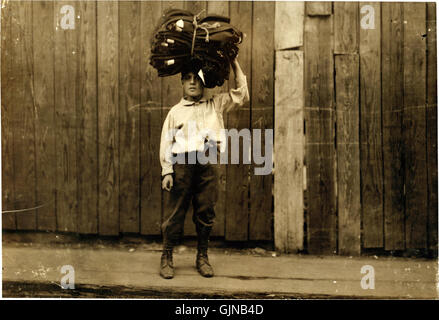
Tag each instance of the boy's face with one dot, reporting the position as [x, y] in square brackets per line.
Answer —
[192, 86]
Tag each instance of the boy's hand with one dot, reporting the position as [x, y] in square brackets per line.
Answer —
[167, 182]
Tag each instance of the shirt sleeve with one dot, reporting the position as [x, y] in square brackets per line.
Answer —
[234, 98]
[166, 142]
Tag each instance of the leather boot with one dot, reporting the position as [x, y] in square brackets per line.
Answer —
[203, 266]
[202, 262]
[166, 264]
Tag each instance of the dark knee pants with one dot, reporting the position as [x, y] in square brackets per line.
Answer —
[194, 183]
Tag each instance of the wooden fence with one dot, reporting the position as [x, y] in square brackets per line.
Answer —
[369, 109]
[354, 111]
[82, 113]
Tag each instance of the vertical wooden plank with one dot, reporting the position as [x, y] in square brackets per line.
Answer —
[347, 120]
[22, 117]
[289, 140]
[319, 8]
[432, 127]
[370, 132]
[22, 106]
[261, 194]
[392, 105]
[345, 27]
[87, 121]
[195, 7]
[348, 153]
[320, 151]
[289, 128]
[171, 95]
[288, 24]
[7, 130]
[24, 140]
[150, 126]
[220, 8]
[108, 129]
[414, 125]
[65, 67]
[129, 100]
[45, 139]
[237, 192]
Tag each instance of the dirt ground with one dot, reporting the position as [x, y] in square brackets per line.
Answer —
[128, 268]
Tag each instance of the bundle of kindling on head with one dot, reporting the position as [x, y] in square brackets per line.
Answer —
[208, 44]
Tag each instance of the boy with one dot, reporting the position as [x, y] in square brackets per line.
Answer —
[184, 134]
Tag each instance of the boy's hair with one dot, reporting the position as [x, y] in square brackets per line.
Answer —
[192, 66]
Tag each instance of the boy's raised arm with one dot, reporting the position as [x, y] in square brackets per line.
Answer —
[237, 96]
[239, 75]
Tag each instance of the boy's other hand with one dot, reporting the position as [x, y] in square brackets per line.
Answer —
[167, 182]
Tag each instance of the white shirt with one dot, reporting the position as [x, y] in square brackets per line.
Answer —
[189, 124]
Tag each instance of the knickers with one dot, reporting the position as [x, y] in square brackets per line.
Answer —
[194, 183]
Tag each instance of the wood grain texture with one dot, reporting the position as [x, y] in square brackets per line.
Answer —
[414, 125]
[261, 193]
[392, 105]
[220, 8]
[320, 135]
[319, 8]
[108, 128]
[432, 127]
[7, 132]
[31, 108]
[24, 140]
[45, 128]
[196, 7]
[370, 133]
[346, 24]
[237, 210]
[129, 115]
[87, 121]
[289, 140]
[65, 73]
[84, 105]
[150, 126]
[288, 24]
[348, 153]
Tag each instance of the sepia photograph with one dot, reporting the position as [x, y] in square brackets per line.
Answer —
[219, 150]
